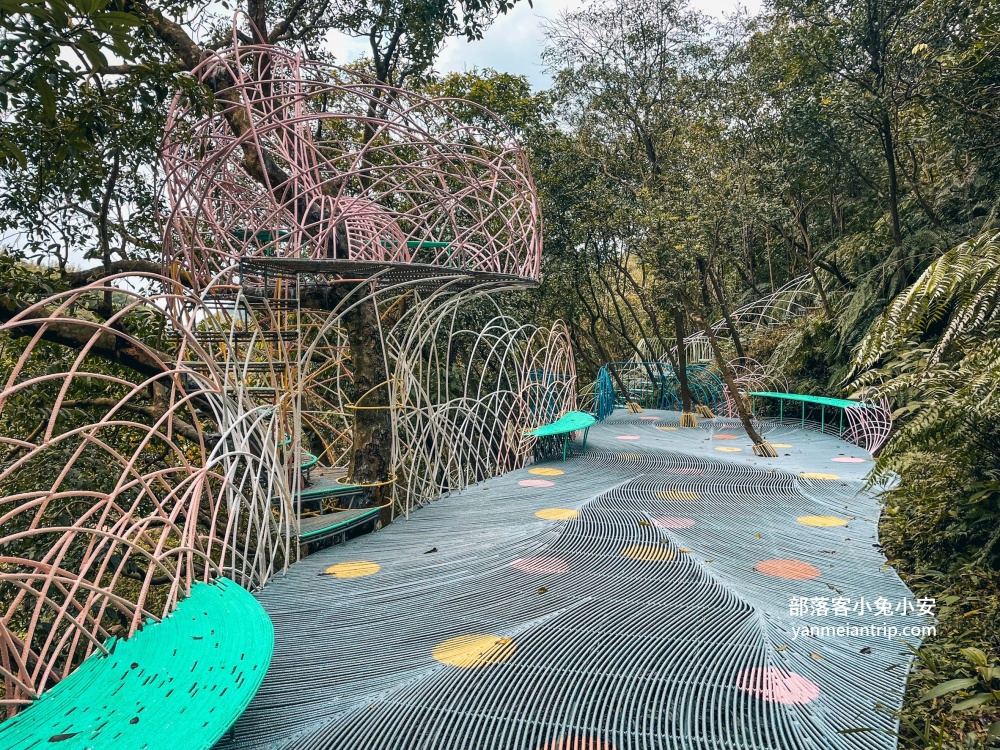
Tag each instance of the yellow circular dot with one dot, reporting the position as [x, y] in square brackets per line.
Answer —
[729, 449]
[557, 514]
[355, 569]
[817, 475]
[781, 445]
[821, 521]
[666, 428]
[545, 471]
[678, 495]
[649, 552]
[473, 651]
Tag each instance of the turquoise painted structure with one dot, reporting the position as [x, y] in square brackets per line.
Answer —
[179, 684]
[568, 423]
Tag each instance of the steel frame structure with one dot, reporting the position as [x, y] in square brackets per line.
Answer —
[213, 379]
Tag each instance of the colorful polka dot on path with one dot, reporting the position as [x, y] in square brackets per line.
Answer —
[818, 475]
[725, 437]
[673, 522]
[674, 494]
[355, 569]
[777, 685]
[781, 445]
[474, 651]
[628, 437]
[728, 449]
[848, 460]
[546, 471]
[821, 521]
[535, 483]
[578, 742]
[557, 514]
[794, 570]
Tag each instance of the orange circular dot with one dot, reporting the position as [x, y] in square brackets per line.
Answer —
[724, 437]
[579, 742]
[795, 570]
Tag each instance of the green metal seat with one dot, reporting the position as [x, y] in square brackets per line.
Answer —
[178, 684]
[822, 401]
[569, 422]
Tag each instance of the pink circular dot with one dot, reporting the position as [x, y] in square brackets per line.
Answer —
[673, 522]
[628, 437]
[650, 418]
[777, 686]
[536, 483]
[540, 564]
[848, 460]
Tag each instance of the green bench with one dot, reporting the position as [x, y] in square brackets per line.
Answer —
[179, 684]
[569, 422]
[821, 401]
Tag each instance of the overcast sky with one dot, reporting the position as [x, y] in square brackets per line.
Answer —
[514, 42]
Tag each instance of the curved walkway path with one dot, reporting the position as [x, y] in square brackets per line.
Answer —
[635, 598]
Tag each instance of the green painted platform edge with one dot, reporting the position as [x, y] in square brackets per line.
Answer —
[156, 690]
[328, 529]
[568, 422]
[843, 403]
[309, 462]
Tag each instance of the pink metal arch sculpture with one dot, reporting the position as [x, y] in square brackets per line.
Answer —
[127, 477]
[308, 161]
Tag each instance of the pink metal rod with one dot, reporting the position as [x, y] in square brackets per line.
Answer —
[117, 494]
[304, 160]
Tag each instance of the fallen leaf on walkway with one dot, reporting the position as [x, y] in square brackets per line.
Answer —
[432, 549]
[683, 549]
[782, 647]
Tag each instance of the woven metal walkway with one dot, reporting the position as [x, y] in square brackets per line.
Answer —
[637, 597]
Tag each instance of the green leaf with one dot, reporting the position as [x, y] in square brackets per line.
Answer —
[977, 700]
[962, 683]
[46, 94]
[975, 656]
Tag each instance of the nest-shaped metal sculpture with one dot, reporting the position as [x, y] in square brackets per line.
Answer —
[302, 160]
[128, 471]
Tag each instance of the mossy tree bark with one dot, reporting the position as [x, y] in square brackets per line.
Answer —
[371, 453]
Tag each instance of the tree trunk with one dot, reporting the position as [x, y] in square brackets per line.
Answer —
[371, 454]
[682, 377]
[760, 446]
[890, 163]
[725, 313]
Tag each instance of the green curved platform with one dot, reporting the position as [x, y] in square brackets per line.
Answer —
[177, 684]
[569, 422]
